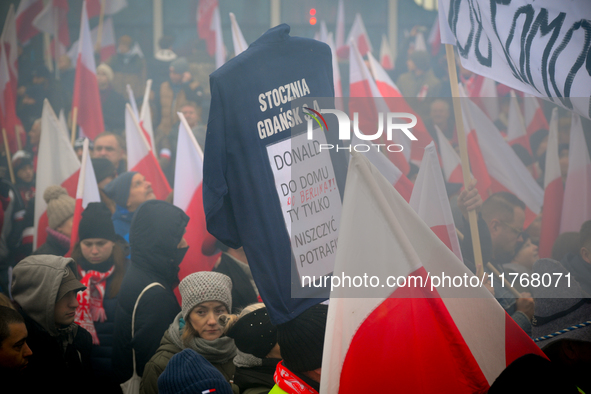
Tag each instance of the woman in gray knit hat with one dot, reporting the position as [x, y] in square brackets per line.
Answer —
[60, 215]
[205, 297]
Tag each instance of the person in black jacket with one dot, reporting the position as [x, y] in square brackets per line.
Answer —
[157, 249]
[45, 288]
[100, 254]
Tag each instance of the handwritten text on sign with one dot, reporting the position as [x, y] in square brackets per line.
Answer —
[310, 201]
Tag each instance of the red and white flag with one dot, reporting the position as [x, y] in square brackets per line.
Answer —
[205, 11]
[140, 157]
[86, 192]
[86, 99]
[8, 118]
[435, 38]
[516, 133]
[54, 20]
[220, 49]
[368, 102]
[26, 12]
[396, 178]
[576, 208]
[553, 192]
[451, 163]
[111, 7]
[533, 114]
[238, 40]
[507, 172]
[483, 92]
[431, 338]
[430, 202]
[359, 36]
[9, 42]
[397, 103]
[108, 43]
[188, 196]
[386, 58]
[57, 164]
[146, 116]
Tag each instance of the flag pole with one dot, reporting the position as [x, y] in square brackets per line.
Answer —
[8, 156]
[99, 36]
[472, 218]
[74, 120]
[17, 132]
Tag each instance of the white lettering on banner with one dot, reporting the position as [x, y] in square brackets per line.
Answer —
[310, 201]
[541, 47]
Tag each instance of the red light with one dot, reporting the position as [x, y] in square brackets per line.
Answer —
[312, 11]
[312, 21]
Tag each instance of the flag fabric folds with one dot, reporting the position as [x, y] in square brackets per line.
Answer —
[358, 35]
[386, 58]
[238, 40]
[26, 13]
[412, 321]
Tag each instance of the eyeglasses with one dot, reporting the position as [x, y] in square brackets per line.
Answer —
[519, 232]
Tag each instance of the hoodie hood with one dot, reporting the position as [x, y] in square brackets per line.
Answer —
[156, 230]
[35, 284]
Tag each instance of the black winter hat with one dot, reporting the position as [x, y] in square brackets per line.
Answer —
[188, 372]
[301, 340]
[96, 223]
[254, 334]
[118, 190]
[103, 168]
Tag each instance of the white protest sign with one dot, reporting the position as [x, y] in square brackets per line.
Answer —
[310, 201]
[540, 47]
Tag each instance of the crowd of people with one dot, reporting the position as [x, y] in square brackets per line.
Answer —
[108, 313]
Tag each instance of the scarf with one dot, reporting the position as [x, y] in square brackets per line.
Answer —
[245, 360]
[91, 301]
[289, 382]
[218, 351]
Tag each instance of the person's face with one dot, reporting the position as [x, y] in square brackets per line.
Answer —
[139, 192]
[505, 234]
[527, 255]
[439, 113]
[66, 227]
[204, 319]
[14, 352]
[191, 115]
[102, 79]
[65, 309]
[96, 250]
[35, 133]
[26, 173]
[108, 147]
[123, 48]
[542, 147]
[175, 78]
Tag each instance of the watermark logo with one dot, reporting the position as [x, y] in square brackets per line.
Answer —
[394, 122]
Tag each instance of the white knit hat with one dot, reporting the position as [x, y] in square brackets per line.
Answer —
[205, 286]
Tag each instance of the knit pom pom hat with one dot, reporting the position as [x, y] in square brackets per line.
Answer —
[60, 206]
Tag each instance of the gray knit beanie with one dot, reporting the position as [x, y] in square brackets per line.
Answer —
[60, 206]
[205, 286]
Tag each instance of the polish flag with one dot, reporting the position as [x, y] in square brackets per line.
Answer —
[108, 43]
[53, 19]
[435, 38]
[188, 196]
[341, 46]
[386, 58]
[146, 116]
[220, 49]
[86, 192]
[430, 202]
[516, 132]
[533, 114]
[9, 42]
[140, 157]
[483, 92]
[368, 102]
[576, 208]
[507, 172]
[359, 36]
[238, 40]
[397, 103]
[432, 339]
[336, 74]
[8, 118]
[26, 12]
[451, 163]
[86, 99]
[394, 176]
[111, 7]
[205, 11]
[553, 192]
[57, 165]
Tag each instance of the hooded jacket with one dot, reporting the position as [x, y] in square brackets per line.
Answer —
[156, 230]
[61, 358]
